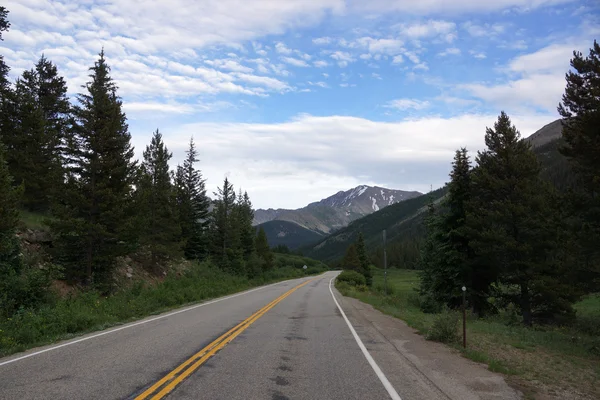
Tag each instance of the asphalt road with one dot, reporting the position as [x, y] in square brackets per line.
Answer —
[301, 348]
[298, 339]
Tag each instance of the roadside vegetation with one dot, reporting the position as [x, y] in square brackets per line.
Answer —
[81, 311]
[556, 361]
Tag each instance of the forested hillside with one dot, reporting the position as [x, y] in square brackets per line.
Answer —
[289, 234]
[397, 219]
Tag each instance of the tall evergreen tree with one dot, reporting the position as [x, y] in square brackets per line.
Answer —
[6, 93]
[193, 204]
[36, 143]
[361, 250]
[4, 25]
[245, 225]
[510, 218]
[263, 250]
[159, 228]
[580, 109]
[351, 259]
[223, 223]
[95, 205]
[10, 262]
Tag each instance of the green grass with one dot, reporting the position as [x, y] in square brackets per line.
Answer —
[88, 311]
[534, 357]
[34, 221]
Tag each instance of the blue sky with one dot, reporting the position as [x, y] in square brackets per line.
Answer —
[295, 100]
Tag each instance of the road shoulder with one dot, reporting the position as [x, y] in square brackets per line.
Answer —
[419, 368]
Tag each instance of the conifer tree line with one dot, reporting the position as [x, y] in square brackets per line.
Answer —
[507, 234]
[75, 163]
[357, 259]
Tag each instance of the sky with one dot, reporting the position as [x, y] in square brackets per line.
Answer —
[295, 100]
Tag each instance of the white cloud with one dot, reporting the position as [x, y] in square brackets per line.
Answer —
[554, 58]
[406, 104]
[343, 58]
[449, 7]
[322, 41]
[412, 57]
[453, 51]
[487, 30]
[514, 45]
[313, 157]
[427, 29]
[375, 45]
[376, 76]
[535, 80]
[320, 64]
[294, 61]
[398, 59]
[478, 54]
[365, 56]
[320, 84]
[282, 49]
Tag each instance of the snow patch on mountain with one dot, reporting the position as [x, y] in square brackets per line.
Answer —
[375, 206]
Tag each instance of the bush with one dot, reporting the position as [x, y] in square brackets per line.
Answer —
[444, 328]
[352, 277]
[429, 305]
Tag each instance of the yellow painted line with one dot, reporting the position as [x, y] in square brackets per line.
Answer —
[175, 377]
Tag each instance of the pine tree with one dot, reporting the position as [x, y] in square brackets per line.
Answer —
[4, 25]
[159, 227]
[580, 109]
[6, 93]
[365, 267]
[193, 205]
[246, 228]
[263, 250]
[223, 223]
[351, 259]
[10, 262]
[36, 142]
[510, 220]
[95, 207]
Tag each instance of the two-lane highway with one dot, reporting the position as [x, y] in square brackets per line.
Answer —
[287, 340]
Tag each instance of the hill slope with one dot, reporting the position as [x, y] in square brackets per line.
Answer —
[396, 219]
[337, 211]
[289, 234]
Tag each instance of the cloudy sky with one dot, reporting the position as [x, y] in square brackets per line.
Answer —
[297, 99]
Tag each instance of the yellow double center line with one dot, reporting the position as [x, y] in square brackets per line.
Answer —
[166, 385]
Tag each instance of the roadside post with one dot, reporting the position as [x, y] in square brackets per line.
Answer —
[464, 312]
[384, 266]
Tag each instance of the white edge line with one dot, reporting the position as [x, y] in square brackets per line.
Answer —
[388, 386]
[138, 323]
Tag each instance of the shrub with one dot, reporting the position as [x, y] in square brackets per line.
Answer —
[445, 327]
[352, 277]
[429, 305]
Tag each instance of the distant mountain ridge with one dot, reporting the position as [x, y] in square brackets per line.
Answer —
[338, 210]
[288, 234]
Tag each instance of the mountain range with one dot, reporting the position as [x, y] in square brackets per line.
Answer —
[338, 210]
[313, 222]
